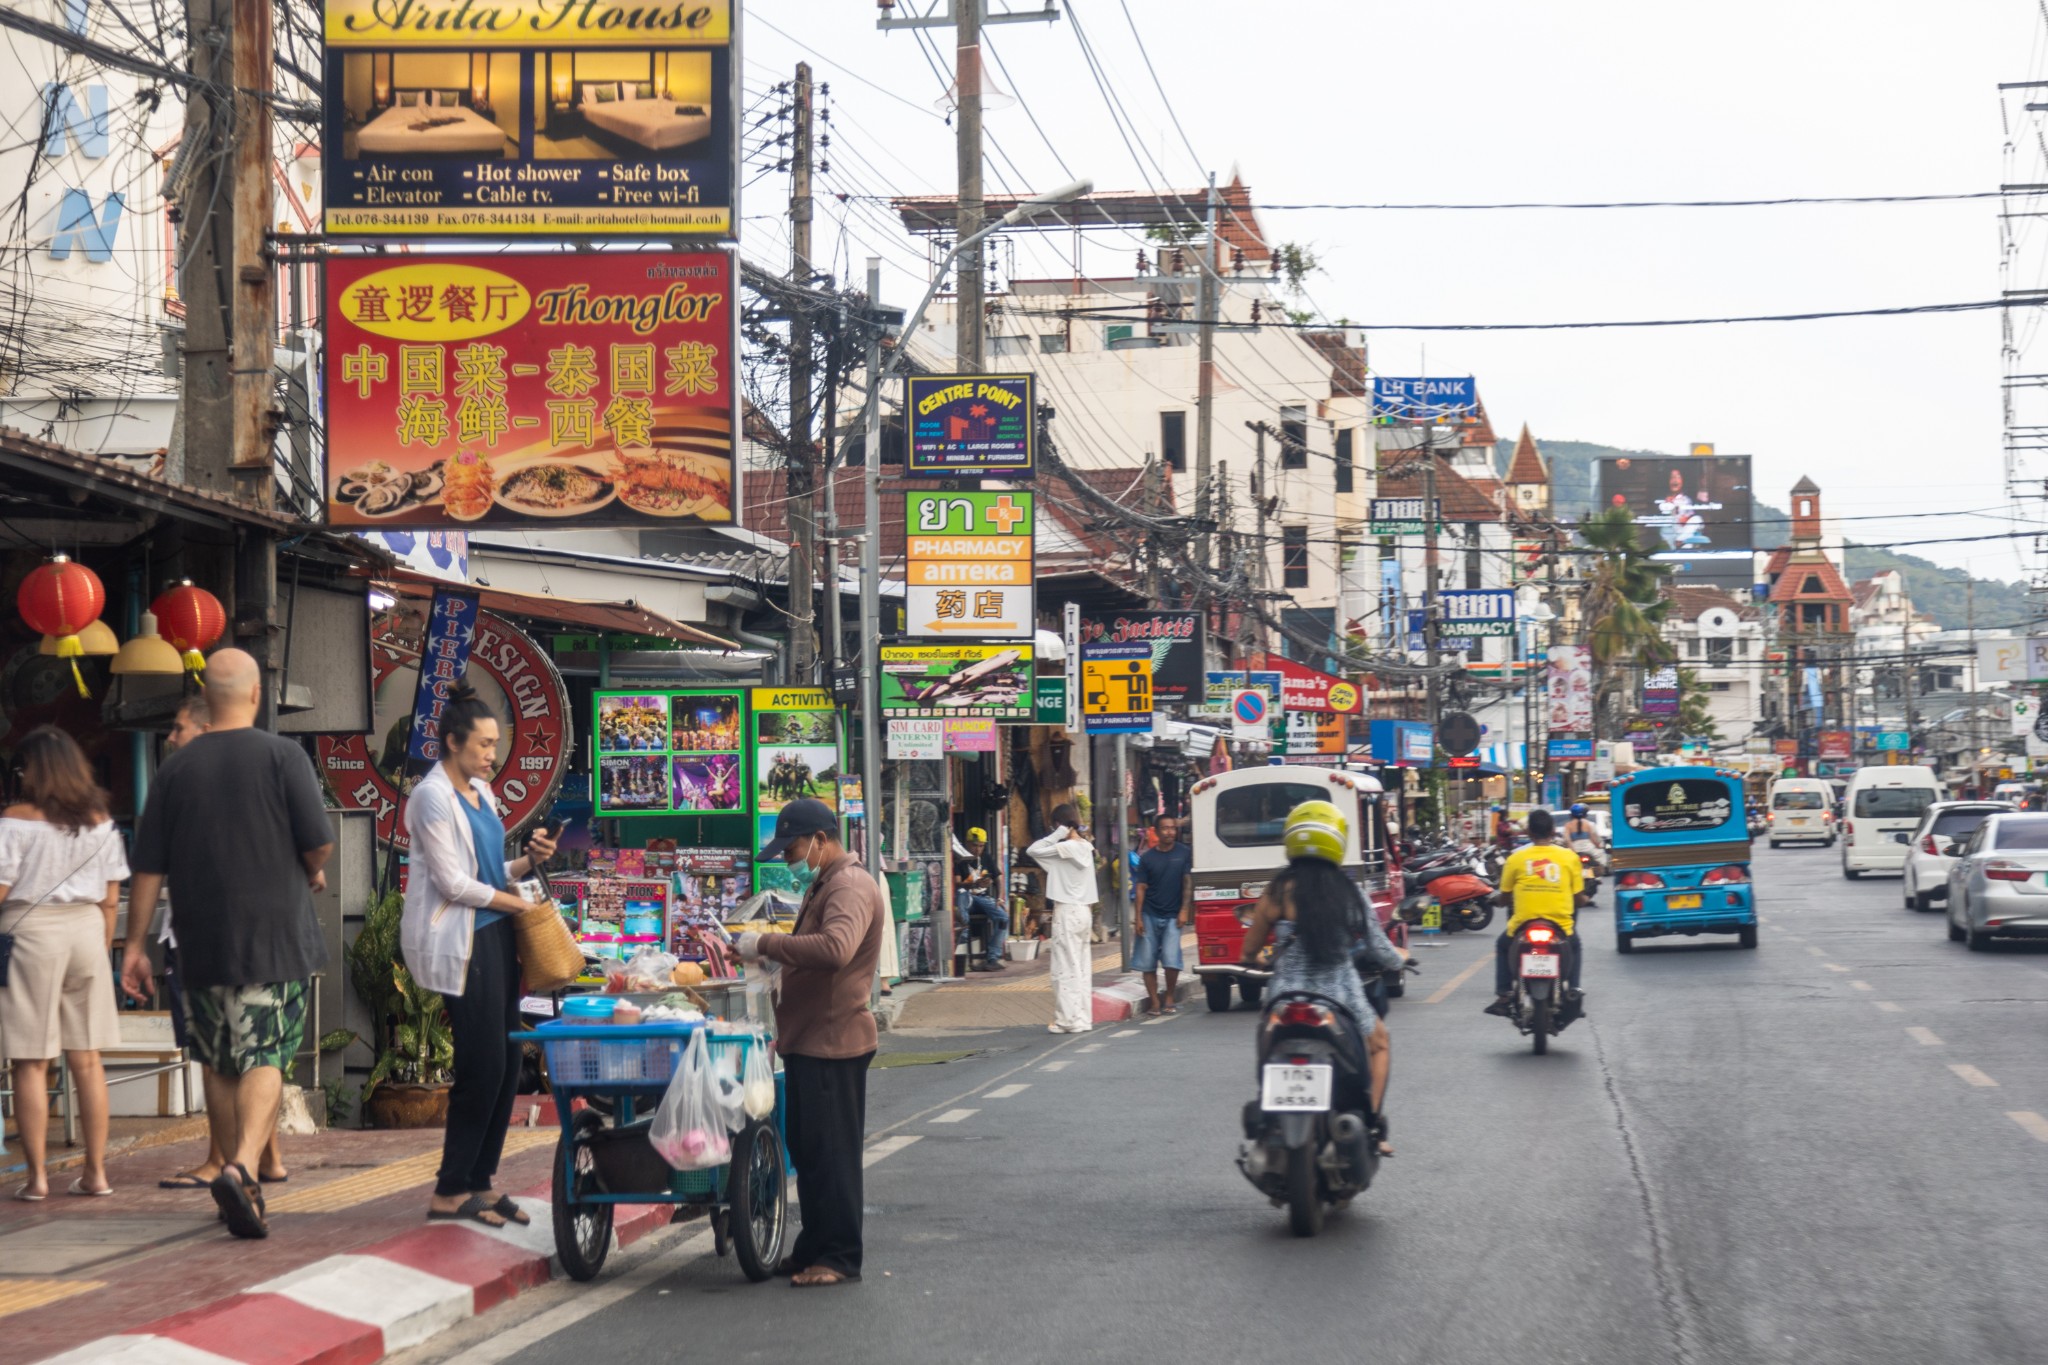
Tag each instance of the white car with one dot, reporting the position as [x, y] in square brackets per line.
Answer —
[1942, 831]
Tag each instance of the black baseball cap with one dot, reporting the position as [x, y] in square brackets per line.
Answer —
[806, 816]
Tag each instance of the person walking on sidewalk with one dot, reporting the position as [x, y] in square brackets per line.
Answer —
[1069, 862]
[236, 826]
[825, 1033]
[192, 721]
[457, 933]
[61, 869]
[1166, 905]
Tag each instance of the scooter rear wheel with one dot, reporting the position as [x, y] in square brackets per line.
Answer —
[1304, 1202]
[1540, 1017]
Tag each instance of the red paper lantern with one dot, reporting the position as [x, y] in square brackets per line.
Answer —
[60, 599]
[191, 619]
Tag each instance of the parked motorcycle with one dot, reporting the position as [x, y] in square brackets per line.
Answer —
[1311, 1138]
[1467, 900]
[1540, 1005]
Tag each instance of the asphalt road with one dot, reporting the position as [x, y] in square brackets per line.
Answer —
[1831, 1149]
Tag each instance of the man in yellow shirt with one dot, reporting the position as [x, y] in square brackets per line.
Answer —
[1545, 880]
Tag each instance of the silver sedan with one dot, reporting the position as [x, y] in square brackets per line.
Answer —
[1998, 887]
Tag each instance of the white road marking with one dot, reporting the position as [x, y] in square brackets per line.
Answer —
[1125, 1033]
[1863, 985]
[1815, 951]
[1061, 1065]
[888, 1146]
[1926, 1037]
[1004, 1092]
[1972, 1075]
[1092, 1047]
[1888, 1007]
[1834, 966]
[956, 1115]
[2031, 1121]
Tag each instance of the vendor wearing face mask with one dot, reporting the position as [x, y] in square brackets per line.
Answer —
[825, 1033]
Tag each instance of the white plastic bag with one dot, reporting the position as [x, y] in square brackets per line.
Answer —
[728, 1094]
[689, 1131]
[649, 970]
[759, 1080]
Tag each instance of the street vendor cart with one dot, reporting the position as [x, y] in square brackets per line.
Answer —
[607, 1080]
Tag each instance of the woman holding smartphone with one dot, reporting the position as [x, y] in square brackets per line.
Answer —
[458, 938]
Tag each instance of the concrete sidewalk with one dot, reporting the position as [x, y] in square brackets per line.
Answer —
[1021, 995]
[350, 1272]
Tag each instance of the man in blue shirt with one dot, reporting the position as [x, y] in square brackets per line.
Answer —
[1166, 898]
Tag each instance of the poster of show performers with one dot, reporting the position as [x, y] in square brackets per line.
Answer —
[592, 389]
[1570, 677]
[530, 118]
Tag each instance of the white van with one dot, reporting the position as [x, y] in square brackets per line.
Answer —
[1879, 813]
[1801, 808]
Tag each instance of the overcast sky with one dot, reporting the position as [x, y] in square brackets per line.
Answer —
[1349, 101]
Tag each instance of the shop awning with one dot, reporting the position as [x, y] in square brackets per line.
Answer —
[626, 618]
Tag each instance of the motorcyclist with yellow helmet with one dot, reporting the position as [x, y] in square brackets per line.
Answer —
[1320, 919]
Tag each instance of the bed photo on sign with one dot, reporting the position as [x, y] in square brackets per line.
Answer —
[412, 105]
[622, 104]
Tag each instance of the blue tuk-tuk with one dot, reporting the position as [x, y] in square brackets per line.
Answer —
[1680, 856]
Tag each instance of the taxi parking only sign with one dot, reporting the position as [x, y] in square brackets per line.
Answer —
[1116, 689]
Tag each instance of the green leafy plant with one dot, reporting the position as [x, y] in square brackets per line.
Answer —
[341, 1102]
[422, 1047]
[1294, 262]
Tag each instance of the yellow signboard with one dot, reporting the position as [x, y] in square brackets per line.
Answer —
[540, 23]
[1116, 688]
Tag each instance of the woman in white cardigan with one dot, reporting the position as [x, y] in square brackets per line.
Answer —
[458, 940]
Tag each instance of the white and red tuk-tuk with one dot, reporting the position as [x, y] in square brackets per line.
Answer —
[1236, 822]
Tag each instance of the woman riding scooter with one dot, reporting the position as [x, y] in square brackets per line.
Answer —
[1326, 923]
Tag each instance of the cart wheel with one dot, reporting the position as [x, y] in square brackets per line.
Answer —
[583, 1233]
[757, 1191]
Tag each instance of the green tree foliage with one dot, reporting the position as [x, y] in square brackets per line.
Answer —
[1623, 610]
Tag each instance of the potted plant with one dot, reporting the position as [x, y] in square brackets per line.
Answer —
[408, 1087]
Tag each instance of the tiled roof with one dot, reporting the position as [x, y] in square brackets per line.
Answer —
[1463, 499]
[1791, 586]
[1528, 465]
[1689, 604]
[1347, 364]
[1805, 485]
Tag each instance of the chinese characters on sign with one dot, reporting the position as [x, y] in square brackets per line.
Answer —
[593, 389]
[530, 118]
[968, 564]
[972, 424]
[451, 629]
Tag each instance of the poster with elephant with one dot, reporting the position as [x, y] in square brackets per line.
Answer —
[796, 748]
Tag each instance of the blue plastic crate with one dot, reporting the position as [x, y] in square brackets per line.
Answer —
[628, 1056]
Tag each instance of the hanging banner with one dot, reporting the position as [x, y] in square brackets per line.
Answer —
[530, 118]
[1570, 683]
[451, 629]
[1175, 638]
[512, 675]
[990, 680]
[967, 564]
[972, 424]
[1116, 689]
[559, 392]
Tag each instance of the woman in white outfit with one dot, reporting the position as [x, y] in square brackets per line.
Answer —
[61, 868]
[1069, 862]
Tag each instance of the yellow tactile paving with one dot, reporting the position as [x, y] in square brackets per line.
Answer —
[18, 1296]
[350, 1190]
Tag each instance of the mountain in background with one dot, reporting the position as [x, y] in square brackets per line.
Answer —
[1943, 593]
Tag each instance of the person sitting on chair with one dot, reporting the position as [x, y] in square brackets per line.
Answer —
[972, 883]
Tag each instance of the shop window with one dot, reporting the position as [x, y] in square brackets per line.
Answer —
[1294, 437]
[1344, 461]
[1052, 343]
[1115, 332]
[1173, 440]
[1475, 567]
[1721, 652]
[1294, 556]
[1009, 345]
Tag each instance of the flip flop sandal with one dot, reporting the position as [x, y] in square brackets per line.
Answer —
[25, 1197]
[273, 1179]
[508, 1209]
[78, 1188]
[818, 1277]
[475, 1209]
[241, 1202]
[787, 1267]
[184, 1180]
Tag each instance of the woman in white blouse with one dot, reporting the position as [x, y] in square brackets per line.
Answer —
[61, 869]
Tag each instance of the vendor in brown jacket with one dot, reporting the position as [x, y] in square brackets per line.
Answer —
[825, 1033]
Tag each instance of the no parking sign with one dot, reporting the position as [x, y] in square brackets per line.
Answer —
[1248, 714]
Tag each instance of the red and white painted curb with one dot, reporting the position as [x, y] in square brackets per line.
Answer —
[355, 1309]
[1120, 999]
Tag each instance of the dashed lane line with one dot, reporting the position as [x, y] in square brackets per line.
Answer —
[1091, 1047]
[1972, 1075]
[888, 1146]
[1125, 1033]
[1926, 1037]
[1834, 966]
[1460, 979]
[2031, 1121]
[956, 1115]
[1004, 1092]
[1888, 1007]
[1815, 951]
[1862, 985]
[1061, 1065]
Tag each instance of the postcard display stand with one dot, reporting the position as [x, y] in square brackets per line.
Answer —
[688, 785]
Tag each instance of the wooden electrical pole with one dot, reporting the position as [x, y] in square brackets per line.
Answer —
[802, 468]
[969, 325]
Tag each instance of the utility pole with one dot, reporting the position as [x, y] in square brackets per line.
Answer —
[1262, 564]
[1434, 704]
[835, 616]
[801, 468]
[1154, 497]
[1205, 377]
[870, 585]
[968, 323]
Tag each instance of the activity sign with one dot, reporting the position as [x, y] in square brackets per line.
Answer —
[967, 564]
[1661, 691]
[1401, 516]
[796, 747]
[972, 424]
[1175, 638]
[1116, 689]
[990, 680]
[530, 118]
[558, 392]
[512, 675]
[1477, 612]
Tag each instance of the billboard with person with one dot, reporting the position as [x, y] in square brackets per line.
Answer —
[1687, 502]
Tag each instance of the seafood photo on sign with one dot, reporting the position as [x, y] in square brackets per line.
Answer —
[710, 783]
[632, 724]
[633, 784]
[706, 724]
[785, 773]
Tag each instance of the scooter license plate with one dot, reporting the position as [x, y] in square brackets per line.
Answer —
[1684, 902]
[1296, 1089]
[1539, 964]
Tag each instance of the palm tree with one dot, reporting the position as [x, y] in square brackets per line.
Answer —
[1623, 610]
